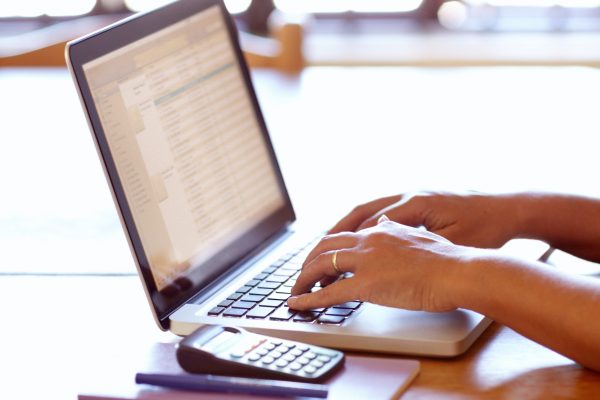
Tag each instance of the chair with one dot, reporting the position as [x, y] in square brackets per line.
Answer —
[44, 47]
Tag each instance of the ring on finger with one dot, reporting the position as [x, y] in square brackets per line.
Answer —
[334, 262]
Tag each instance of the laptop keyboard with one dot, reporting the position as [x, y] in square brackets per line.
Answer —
[265, 296]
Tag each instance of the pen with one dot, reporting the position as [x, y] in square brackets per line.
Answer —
[225, 384]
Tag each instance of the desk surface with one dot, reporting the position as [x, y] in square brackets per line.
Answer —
[495, 130]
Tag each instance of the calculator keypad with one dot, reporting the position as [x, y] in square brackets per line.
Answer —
[283, 356]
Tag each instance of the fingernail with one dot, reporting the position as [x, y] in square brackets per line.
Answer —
[383, 218]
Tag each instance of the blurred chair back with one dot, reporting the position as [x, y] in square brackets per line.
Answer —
[44, 47]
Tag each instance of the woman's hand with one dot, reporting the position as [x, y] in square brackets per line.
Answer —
[473, 219]
[392, 265]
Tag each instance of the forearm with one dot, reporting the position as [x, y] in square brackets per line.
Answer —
[570, 223]
[559, 311]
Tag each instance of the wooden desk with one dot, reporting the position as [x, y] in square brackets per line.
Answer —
[493, 129]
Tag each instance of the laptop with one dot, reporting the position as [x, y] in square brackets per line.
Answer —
[200, 194]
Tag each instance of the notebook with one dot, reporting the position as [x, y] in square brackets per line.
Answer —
[200, 193]
[388, 378]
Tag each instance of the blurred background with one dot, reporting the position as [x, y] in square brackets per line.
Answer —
[357, 32]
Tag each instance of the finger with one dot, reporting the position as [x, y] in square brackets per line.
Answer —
[331, 242]
[322, 267]
[357, 216]
[410, 211]
[339, 292]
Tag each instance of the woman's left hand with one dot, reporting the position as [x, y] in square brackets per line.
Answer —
[392, 265]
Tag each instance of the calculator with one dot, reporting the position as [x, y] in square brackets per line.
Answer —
[225, 350]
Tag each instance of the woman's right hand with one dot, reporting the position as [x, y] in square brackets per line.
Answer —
[471, 219]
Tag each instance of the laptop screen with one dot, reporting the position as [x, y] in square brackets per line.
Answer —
[189, 149]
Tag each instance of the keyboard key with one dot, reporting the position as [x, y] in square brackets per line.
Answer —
[261, 292]
[259, 312]
[306, 316]
[216, 311]
[235, 312]
[269, 285]
[344, 312]
[270, 270]
[243, 304]
[277, 278]
[244, 289]
[351, 304]
[253, 282]
[271, 303]
[261, 276]
[331, 319]
[284, 272]
[278, 264]
[282, 314]
[279, 296]
[285, 289]
[252, 297]
[225, 303]
[234, 296]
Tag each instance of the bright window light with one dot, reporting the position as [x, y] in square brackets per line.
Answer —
[339, 6]
[233, 6]
[36, 8]
[537, 3]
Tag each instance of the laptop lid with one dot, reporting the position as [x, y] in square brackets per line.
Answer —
[183, 144]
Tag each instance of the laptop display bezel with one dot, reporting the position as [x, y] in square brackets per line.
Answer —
[98, 44]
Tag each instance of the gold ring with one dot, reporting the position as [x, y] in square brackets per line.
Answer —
[334, 262]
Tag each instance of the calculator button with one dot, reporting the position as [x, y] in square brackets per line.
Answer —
[296, 352]
[269, 346]
[282, 363]
[254, 357]
[237, 354]
[283, 349]
[303, 348]
[276, 354]
[317, 364]
[262, 352]
[295, 366]
[310, 370]
[310, 355]
[268, 360]
[276, 342]
[289, 357]
[324, 359]
[303, 360]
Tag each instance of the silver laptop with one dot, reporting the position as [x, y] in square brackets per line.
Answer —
[200, 194]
